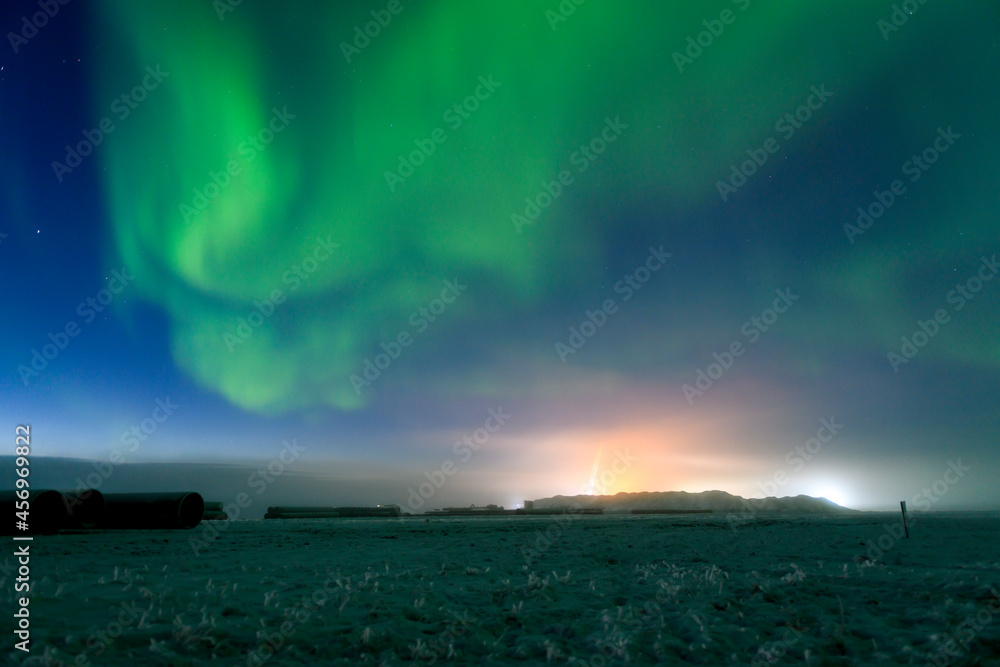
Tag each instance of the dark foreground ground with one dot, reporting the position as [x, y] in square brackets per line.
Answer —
[579, 590]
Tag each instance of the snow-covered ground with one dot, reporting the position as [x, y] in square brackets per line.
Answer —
[585, 590]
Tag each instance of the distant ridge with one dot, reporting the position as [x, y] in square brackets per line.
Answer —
[713, 501]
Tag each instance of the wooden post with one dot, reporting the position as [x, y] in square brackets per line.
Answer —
[902, 506]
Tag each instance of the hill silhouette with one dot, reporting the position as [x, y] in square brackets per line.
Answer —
[715, 501]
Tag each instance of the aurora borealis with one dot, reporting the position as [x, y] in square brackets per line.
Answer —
[696, 232]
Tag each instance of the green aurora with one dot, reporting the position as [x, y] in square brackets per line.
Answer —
[322, 177]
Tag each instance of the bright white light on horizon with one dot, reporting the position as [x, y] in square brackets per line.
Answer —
[832, 491]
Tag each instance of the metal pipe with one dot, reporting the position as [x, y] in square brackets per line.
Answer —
[153, 510]
[84, 510]
[45, 512]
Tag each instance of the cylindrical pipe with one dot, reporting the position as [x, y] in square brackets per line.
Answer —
[45, 512]
[153, 510]
[84, 510]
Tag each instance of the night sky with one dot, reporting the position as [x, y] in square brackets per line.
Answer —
[510, 250]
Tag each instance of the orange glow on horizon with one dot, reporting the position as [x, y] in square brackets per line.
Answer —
[670, 454]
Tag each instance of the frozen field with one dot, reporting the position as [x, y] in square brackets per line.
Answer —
[594, 591]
